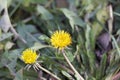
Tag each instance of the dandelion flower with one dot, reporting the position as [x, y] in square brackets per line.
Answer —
[60, 39]
[29, 56]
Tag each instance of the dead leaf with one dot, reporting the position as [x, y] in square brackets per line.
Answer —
[103, 45]
[4, 20]
[9, 45]
[104, 40]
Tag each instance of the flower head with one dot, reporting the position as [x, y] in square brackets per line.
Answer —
[29, 56]
[60, 39]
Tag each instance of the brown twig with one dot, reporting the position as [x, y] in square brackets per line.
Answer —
[45, 70]
[72, 67]
[17, 36]
[67, 69]
[110, 21]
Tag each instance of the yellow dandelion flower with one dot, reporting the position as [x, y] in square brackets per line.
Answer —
[60, 39]
[29, 56]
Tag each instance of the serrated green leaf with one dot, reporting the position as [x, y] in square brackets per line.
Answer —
[13, 55]
[101, 71]
[26, 31]
[9, 59]
[89, 52]
[70, 56]
[67, 75]
[46, 15]
[11, 66]
[30, 75]
[95, 31]
[116, 45]
[44, 38]
[19, 75]
[5, 36]
[113, 67]
[38, 46]
[74, 19]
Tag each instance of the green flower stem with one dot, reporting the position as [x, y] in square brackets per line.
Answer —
[71, 66]
[53, 75]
